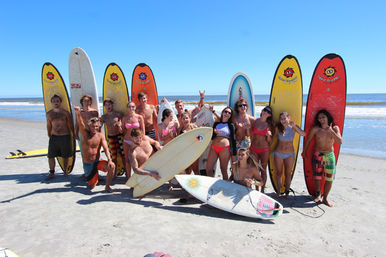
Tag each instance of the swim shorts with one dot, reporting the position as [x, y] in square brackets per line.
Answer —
[60, 146]
[91, 171]
[151, 134]
[324, 163]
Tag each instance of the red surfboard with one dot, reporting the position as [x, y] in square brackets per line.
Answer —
[327, 91]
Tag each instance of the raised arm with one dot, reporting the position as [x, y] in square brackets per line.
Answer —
[80, 122]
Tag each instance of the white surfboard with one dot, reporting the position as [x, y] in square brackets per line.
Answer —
[82, 79]
[204, 119]
[231, 197]
[241, 86]
[177, 155]
[165, 105]
[5, 252]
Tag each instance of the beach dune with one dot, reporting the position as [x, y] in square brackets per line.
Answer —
[63, 217]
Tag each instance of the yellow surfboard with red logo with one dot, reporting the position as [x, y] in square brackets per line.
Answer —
[286, 96]
[115, 88]
[53, 84]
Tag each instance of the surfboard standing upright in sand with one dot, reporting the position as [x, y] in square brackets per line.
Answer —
[231, 197]
[115, 88]
[241, 86]
[82, 78]
[327, 91]
[52, 83]
[286, 96]
[174, 157]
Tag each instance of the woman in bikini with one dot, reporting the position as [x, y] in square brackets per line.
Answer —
[284, 152]
[246, 170]
[186, 126]
[129, 122]
[168, 128]
[223, 143]
[261, 137]
[242, 121]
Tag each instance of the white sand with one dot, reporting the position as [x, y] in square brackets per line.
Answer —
[63, 218]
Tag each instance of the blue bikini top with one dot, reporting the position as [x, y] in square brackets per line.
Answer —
[288, 135]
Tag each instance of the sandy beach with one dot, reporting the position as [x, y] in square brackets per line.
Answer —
[64, 218]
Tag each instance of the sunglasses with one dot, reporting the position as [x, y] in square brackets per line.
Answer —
[227, 112]
[242, 105]
[267, 110]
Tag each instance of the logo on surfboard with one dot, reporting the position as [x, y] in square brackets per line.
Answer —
[50, 75]
[289, 72]
[142, 76]
[114, 76]
[288, 76]
[329, 74]
[329, 71]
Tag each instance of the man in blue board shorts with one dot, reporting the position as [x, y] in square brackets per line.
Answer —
[59, 126]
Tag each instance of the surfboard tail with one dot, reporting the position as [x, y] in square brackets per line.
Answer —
[132, 182]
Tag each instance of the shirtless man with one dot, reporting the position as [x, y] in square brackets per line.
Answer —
[59, 127]
[242, 121]
[86, 112]
[91, 142]
[323, 159]
[149, 113]
[141, 150]
[113, 121]
[179, 104]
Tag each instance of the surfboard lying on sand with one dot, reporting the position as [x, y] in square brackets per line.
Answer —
[327, 91]
[231, 197]
[241, 86]
[174, 157]
[115, 88]
[5, 252]
[19, 154]
[52, 83]
[286, 96]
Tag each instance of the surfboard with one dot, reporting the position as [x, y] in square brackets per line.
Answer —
[204, 119]
[5, 252]
[177, 155]
[165, 105]
[231, 197]
[114, 87]
[327, 91]
[52, 83]
[19, 154]
[82, 78]
[286, 96]
[241, 86]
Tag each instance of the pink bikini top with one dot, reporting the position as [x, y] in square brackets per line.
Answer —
[132, 125]
[165, 132]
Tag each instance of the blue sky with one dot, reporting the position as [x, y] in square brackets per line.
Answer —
[192, 45]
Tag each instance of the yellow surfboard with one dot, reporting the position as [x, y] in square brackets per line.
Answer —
[19, 154]
[53, 83]
[286, 96]
[114, 87]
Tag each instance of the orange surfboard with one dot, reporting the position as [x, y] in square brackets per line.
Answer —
[327, 91]
[143, 81]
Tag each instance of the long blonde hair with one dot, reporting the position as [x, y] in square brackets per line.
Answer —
[251, 159]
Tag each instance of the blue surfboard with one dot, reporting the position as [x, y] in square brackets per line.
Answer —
[241, 86]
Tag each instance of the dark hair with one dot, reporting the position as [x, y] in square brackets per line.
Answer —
[83, 97]
[166, 113]
[279, 125]
[222, 114]
[241, 100]
[141, 94]
[329, 118]
[268, 109]
[56, 96]
[136, 132]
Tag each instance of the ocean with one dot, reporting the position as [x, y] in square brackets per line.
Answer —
[363, 133]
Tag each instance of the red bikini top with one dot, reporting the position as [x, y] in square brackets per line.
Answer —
[260, 132]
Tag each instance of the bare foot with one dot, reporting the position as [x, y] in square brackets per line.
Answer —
[326, 202]
[109, 189]
[318, 198]
[93, 186]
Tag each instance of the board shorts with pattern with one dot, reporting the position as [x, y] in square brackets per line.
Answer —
[151, 134]
[115, 146]
[60, 146]
[324, 163]
[91, 171]
[243, 143]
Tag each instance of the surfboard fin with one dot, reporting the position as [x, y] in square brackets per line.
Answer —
[12, 153]
[21, 152]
